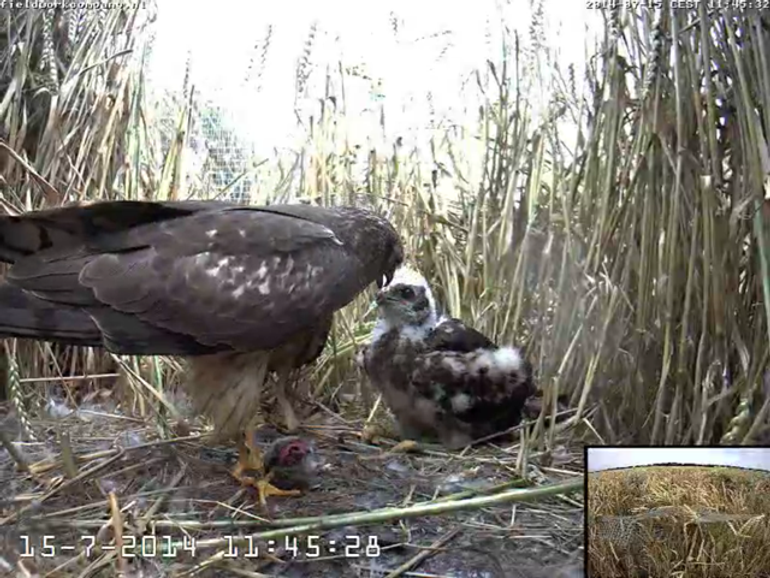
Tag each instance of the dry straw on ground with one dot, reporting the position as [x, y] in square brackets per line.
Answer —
[701, 521]
[179, 491]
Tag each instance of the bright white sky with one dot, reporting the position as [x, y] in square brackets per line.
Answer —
[606, 458]
[220, 36]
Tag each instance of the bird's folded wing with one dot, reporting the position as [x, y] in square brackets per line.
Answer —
[236, 277]
[474, 386]
[454, 335]
[75, 225]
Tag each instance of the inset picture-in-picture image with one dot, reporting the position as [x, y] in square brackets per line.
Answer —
[698, 512]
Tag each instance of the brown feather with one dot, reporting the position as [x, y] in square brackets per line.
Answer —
[228, 386]
[242, 290]
[441, 378]
[454, 396]
[260, 269]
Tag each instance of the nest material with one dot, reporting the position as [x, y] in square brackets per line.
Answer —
[177, 488]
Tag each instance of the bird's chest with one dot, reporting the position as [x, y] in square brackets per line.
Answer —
[390, 364]
[391, 360]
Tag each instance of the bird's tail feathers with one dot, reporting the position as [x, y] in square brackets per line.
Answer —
[26, 316]
[24, 235]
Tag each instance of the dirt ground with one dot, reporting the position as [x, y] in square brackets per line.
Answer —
[181, 488]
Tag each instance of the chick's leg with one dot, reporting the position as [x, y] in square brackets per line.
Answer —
[410, 433]
[250, 470]
[405, 446]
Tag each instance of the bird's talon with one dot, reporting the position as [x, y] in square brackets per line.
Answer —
[263, 486]
[289, 459]
[266, 489]
[249, 454]
[405, 447]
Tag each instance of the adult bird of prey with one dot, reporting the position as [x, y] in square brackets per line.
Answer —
[441, 378]
[239, 290]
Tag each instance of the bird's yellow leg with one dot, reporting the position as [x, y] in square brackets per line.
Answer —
[292, 423]
[249, 460]
[250, 470]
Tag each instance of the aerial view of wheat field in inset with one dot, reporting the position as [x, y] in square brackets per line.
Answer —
[654, 517]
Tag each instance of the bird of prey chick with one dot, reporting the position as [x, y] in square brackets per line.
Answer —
[441, 378]
[239, 291]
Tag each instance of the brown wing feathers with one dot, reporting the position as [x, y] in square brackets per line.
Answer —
[138, 270]
[190, 261]
[24, 315]
[76, 225]
[243, 287]
[240, 289]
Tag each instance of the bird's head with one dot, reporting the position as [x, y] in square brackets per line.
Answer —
[407, 301]
[393, 258]
[293, 462]
[377, 243]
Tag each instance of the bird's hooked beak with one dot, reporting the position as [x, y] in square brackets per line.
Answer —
[385, 279]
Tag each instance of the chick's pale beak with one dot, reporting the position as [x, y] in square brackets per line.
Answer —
[381, 297]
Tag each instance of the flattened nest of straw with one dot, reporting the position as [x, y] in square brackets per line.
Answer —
[179, 489]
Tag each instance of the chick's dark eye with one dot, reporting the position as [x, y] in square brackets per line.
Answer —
[407, 292]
